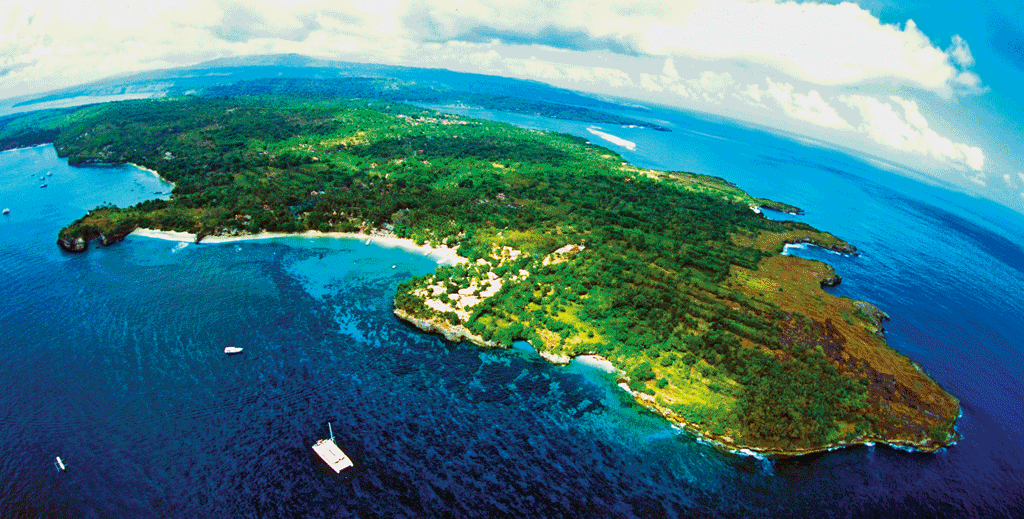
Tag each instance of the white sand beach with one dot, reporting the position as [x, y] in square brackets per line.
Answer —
[596, 362]
[443, 255]
[629, 145]
[154, 172]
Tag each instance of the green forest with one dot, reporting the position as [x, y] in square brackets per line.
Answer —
[675, 279]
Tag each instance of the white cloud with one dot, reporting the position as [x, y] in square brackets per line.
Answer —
[651, 84]
[711, 86]
[824, 44]
[50, 44]
[960, 52]
[809, 107]
[751, 94]
[669, 70]
[909, 132]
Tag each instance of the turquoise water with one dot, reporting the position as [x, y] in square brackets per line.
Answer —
[113, 360]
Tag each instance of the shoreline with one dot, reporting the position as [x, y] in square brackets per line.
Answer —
[27, 147]
[154, 172]
[614, 139]
[729, 445]
[457, 333]
[443, 255]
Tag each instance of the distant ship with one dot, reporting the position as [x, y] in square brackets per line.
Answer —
[231, 350]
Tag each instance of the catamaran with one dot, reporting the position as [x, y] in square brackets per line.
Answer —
[331, 454]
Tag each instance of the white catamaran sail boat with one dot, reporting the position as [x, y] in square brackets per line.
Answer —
[331, 454]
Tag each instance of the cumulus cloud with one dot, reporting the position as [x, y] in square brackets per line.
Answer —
[59, 43]
[820, 44]
[669, 70]
[809, 107]
[711, 86]
[894, 122]
[960, 52]
[823, 44]
[905, 129]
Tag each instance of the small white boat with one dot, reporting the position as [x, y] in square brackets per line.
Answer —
[7, 210]
[49, 174]
[231, 350]
[60, 465]
[44, 185]
[394, 266]
[42, 178]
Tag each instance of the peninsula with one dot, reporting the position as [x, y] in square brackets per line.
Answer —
[670, 276]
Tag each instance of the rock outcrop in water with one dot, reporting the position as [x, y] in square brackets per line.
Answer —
[81, 243]
[73, 244]
[832, 279]
[877, 315]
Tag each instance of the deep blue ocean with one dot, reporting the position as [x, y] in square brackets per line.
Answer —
[113, 360]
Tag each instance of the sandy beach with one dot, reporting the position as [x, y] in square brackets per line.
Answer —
[442, 255]
[153, 171]
[629, 145]
[596, 362]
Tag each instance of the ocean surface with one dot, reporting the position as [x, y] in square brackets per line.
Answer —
[113, 361]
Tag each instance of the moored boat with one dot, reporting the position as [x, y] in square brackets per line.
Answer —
[331, 453]
[232, 349]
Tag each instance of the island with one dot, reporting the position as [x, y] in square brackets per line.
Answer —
[675, 278]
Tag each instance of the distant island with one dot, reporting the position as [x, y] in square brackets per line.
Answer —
[675, 278]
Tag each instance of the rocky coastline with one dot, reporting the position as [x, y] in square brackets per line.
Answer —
[452, 332]
[840, 247]
[78, 244]
[458, 333]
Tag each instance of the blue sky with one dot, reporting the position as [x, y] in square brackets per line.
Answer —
[934, 85]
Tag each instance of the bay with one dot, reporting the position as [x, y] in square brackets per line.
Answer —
[112, 360]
